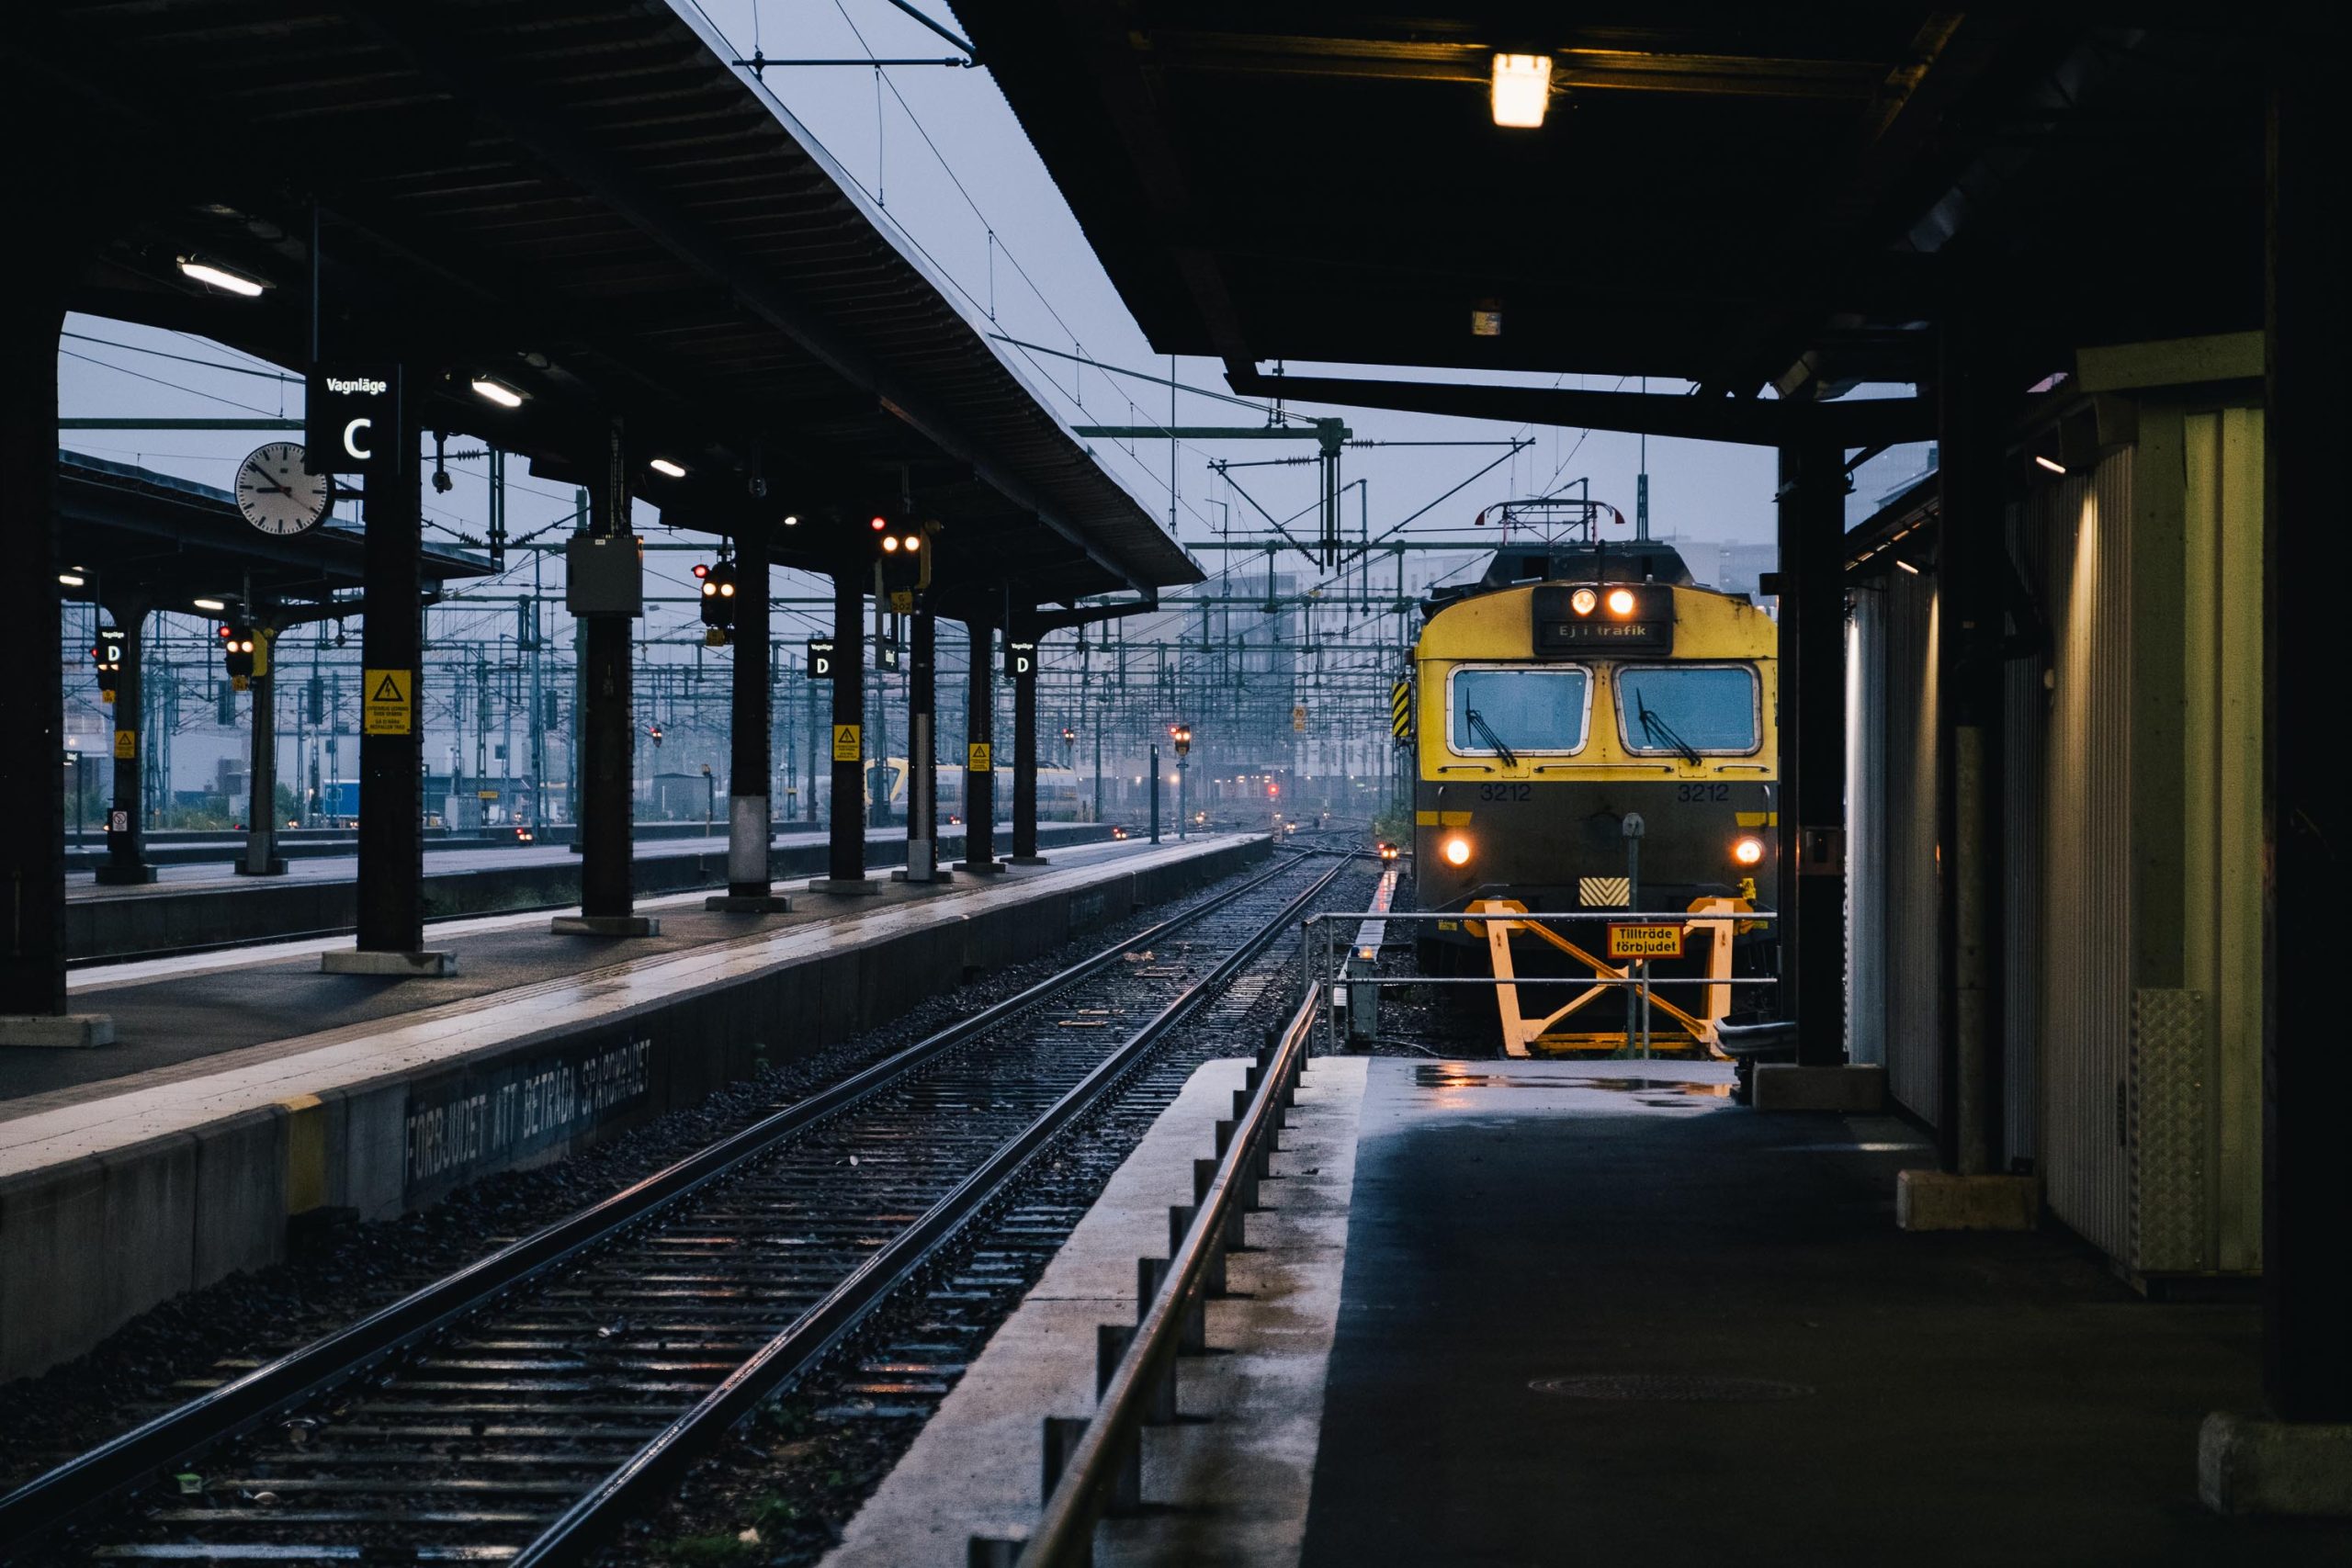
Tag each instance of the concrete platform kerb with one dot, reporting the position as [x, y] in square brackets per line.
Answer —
[189, 1170]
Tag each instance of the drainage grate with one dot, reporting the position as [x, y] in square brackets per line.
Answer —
[1672, 1387]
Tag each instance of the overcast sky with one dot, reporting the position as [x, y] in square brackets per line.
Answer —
[939, 152]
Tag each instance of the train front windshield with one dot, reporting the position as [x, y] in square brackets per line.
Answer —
[1700, 707]
[1520, 710]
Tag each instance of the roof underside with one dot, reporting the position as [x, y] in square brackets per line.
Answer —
[1718, 192]
[582, 199]
[134, 533]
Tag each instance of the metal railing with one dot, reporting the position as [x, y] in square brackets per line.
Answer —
[1093, 1465]
[1326, 976]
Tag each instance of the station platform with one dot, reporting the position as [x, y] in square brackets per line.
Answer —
[1574, 1311]
[198, 905]
[1594, 1311]
[245, 1086]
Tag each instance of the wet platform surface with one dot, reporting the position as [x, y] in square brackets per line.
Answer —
[1594, 1313]
[199, 876]
[171, 1012]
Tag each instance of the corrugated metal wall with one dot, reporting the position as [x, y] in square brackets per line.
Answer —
[1912, 913]
[2084, 525]
[2221, 938]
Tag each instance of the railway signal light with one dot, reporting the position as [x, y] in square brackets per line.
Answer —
[653, 732]
[237, 653]
[1183, 734]
[717, 600]
[902, 563]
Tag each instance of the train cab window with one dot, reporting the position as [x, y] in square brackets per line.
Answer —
[1517, 711]
[1693, 709]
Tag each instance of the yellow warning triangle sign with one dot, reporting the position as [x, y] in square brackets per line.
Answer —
[388, 690]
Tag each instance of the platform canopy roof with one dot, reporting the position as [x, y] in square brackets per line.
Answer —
[582, 199]
[1743, 197]
[137, 537]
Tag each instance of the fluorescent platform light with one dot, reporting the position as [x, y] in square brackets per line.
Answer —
[2052, 464]
[72, 579]
[663, 466]
[209, 603]
[1522, 89]
[218, 277]
[497, 392]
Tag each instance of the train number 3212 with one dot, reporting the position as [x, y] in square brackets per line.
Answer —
[1690, 792]
[1505, 792]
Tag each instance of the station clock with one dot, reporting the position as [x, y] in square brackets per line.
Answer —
[277, 495]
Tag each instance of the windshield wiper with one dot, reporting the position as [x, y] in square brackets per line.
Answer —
[1654, 728]
[1486, 733]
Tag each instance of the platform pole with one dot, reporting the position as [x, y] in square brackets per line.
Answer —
[126, 862]
[32, 711]
[847, 813]
[261, 857]
[1812, 746]
[1025, 748]
[922, 747]
[2307, 1077]
[1969, 549]
[608, 727]
[392, 837]
[748, 732]
[2296, 1461]
[979, 753]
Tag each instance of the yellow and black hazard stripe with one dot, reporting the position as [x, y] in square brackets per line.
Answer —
[1400, 710]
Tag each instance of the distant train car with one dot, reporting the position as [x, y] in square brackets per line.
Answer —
[1572, 689]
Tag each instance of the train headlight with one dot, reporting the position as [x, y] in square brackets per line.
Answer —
[1748, 850]
[1583, 600]
[1456, 849]
[1621, 602]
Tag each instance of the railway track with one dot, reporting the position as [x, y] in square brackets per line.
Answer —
[521, 1409]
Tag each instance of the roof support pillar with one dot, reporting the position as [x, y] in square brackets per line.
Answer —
[979, 753]
[1813, 745]
[391, 735]
[608, 733]
[749, 735]
[32, 776]
[1021, 649]
[922, 747]
[846, 865]
[126, 862]
[2294, 1462]
[2306, 1179]
[1969, 672]
[261, 857]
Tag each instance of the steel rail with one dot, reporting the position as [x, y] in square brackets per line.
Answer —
[72, 1489]
[593, 1520]
[1144, 1375]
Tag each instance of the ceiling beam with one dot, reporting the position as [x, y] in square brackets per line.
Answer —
[1754, 422]
[1470, 63]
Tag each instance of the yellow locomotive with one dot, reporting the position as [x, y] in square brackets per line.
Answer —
[1596, 732]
